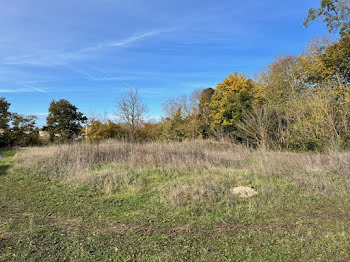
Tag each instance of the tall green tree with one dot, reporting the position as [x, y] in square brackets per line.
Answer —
[64, 120]
[335, 13]
[174, 128]
[5, 115]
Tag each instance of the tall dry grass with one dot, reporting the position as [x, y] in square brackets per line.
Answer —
[212, 167]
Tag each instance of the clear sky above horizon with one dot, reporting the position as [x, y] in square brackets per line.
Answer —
[91, 51]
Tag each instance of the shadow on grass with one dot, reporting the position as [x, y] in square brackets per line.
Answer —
[6, 159]
[3, 169]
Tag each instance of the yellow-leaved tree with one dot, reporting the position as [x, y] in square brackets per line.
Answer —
[99, 131]
[231, 98]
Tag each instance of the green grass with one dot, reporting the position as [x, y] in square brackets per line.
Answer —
[45, 220]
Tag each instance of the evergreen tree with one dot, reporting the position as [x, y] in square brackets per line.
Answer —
[64, 121]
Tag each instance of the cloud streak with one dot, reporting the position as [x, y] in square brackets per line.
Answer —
[18, 90]
[126, 41]
[36, 89]
[27, 89]
[49, 58]
[135, 38]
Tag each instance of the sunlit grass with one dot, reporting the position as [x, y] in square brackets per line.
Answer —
[172, 202]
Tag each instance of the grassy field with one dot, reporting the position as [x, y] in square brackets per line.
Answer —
[173, 202]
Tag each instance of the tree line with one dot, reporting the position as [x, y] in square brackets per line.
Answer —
[298, 102]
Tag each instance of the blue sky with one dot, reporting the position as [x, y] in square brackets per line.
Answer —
[91, 51]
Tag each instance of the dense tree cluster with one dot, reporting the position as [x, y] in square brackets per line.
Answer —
[15, 129]
[298, 102]
[63, 124]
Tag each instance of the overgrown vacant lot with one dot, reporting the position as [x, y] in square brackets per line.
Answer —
[173, 202]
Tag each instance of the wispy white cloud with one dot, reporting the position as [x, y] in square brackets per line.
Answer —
[124, 42]
[44, 58]
[49, 58]
[119, 43]
[27, 89]
[36, 89]
[135, 38]
[16, 90]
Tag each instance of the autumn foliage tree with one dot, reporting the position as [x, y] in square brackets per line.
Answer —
[99, 131]
[230, 99]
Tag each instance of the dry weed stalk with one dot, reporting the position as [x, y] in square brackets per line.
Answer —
[114, 166]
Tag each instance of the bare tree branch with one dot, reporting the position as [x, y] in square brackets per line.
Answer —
[131, 110]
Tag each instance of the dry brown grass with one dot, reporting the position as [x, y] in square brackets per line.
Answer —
[212, 168]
